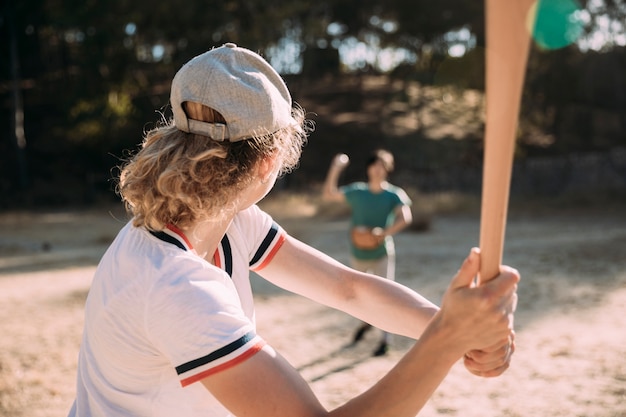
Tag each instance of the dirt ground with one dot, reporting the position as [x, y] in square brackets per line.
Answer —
[571, 320]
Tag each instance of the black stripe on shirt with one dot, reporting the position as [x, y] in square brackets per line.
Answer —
[167, 238]
[220, 353]
[265, 244]
[228, 256]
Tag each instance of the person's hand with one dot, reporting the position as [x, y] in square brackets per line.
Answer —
[341, 160]
[480, 318]
[491, 362]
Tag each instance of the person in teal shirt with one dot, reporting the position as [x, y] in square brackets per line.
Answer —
[378, 211]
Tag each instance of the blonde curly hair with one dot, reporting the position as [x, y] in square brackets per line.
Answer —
[180, 178]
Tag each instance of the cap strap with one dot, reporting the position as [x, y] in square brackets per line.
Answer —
[216, 131]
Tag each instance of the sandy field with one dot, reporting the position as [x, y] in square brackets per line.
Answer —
[571, 320]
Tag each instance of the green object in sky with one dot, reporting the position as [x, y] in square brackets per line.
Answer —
[557, 23]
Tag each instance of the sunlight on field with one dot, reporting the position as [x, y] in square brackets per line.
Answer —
[569, 358]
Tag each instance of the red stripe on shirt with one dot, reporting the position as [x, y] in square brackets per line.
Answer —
[270, 256]
[180, 233]
[235, 361]
[216, 259]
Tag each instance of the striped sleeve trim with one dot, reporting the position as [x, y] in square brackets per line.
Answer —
[223, 358]
[268, 248]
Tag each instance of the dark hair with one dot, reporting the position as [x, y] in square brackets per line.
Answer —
[383, 156]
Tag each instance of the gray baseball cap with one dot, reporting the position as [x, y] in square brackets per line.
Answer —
[239, 84]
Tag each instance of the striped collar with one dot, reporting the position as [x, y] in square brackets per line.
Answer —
[222, 258]
[172, 234]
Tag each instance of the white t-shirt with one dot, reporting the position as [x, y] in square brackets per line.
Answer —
[159, 318]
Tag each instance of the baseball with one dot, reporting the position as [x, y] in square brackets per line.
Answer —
[342, 159]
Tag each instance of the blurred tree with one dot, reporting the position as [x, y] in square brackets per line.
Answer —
[89, 73]
[17, 108]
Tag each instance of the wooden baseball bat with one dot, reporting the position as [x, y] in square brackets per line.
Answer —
[507, 44]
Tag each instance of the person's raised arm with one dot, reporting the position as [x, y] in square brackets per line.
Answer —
[302, 269]
[471, 317]
[331, 191]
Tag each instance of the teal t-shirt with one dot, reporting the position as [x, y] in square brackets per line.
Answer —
[373, 210]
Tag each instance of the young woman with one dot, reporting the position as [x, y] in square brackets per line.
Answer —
[169, 320]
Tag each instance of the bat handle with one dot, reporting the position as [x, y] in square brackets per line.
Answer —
[492, 227]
